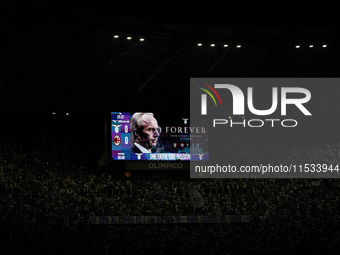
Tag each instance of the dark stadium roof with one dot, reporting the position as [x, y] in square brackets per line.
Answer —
[66, 56]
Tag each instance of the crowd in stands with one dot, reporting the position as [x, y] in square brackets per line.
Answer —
[48, 191]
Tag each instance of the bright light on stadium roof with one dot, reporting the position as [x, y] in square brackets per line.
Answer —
[212, 45]
[199, 44]
[129, 37]
[324, 46]
[311, 46]
[54, 113]
[225, 45]
[67, 114]
[238, 46]
[116, 36]
[141, 39]
[297, 46]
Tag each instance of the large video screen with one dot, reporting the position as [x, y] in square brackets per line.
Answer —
[151, 136]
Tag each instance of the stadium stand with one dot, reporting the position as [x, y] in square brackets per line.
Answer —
[63, 70]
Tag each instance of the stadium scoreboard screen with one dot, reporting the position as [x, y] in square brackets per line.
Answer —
[145, 136]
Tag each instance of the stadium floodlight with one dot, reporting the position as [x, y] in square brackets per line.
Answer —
[129, 38]
[115, 36]
[141, 39]
[67, 114]
[199, 44]
[238, 46]
[311, 46]
[297, 46]
[324, 46]
[212, 45]
[225, 45]
[54, 113]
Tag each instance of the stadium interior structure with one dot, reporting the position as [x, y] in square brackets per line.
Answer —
[64, 70]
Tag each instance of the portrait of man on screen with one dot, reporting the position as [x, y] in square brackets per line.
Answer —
[145, 132]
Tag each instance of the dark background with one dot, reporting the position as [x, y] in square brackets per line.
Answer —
[64, 59]
[62, 72]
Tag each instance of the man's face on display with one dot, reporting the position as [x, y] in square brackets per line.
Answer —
[148, 134]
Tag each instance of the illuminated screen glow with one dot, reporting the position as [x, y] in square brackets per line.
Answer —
[172, 139]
